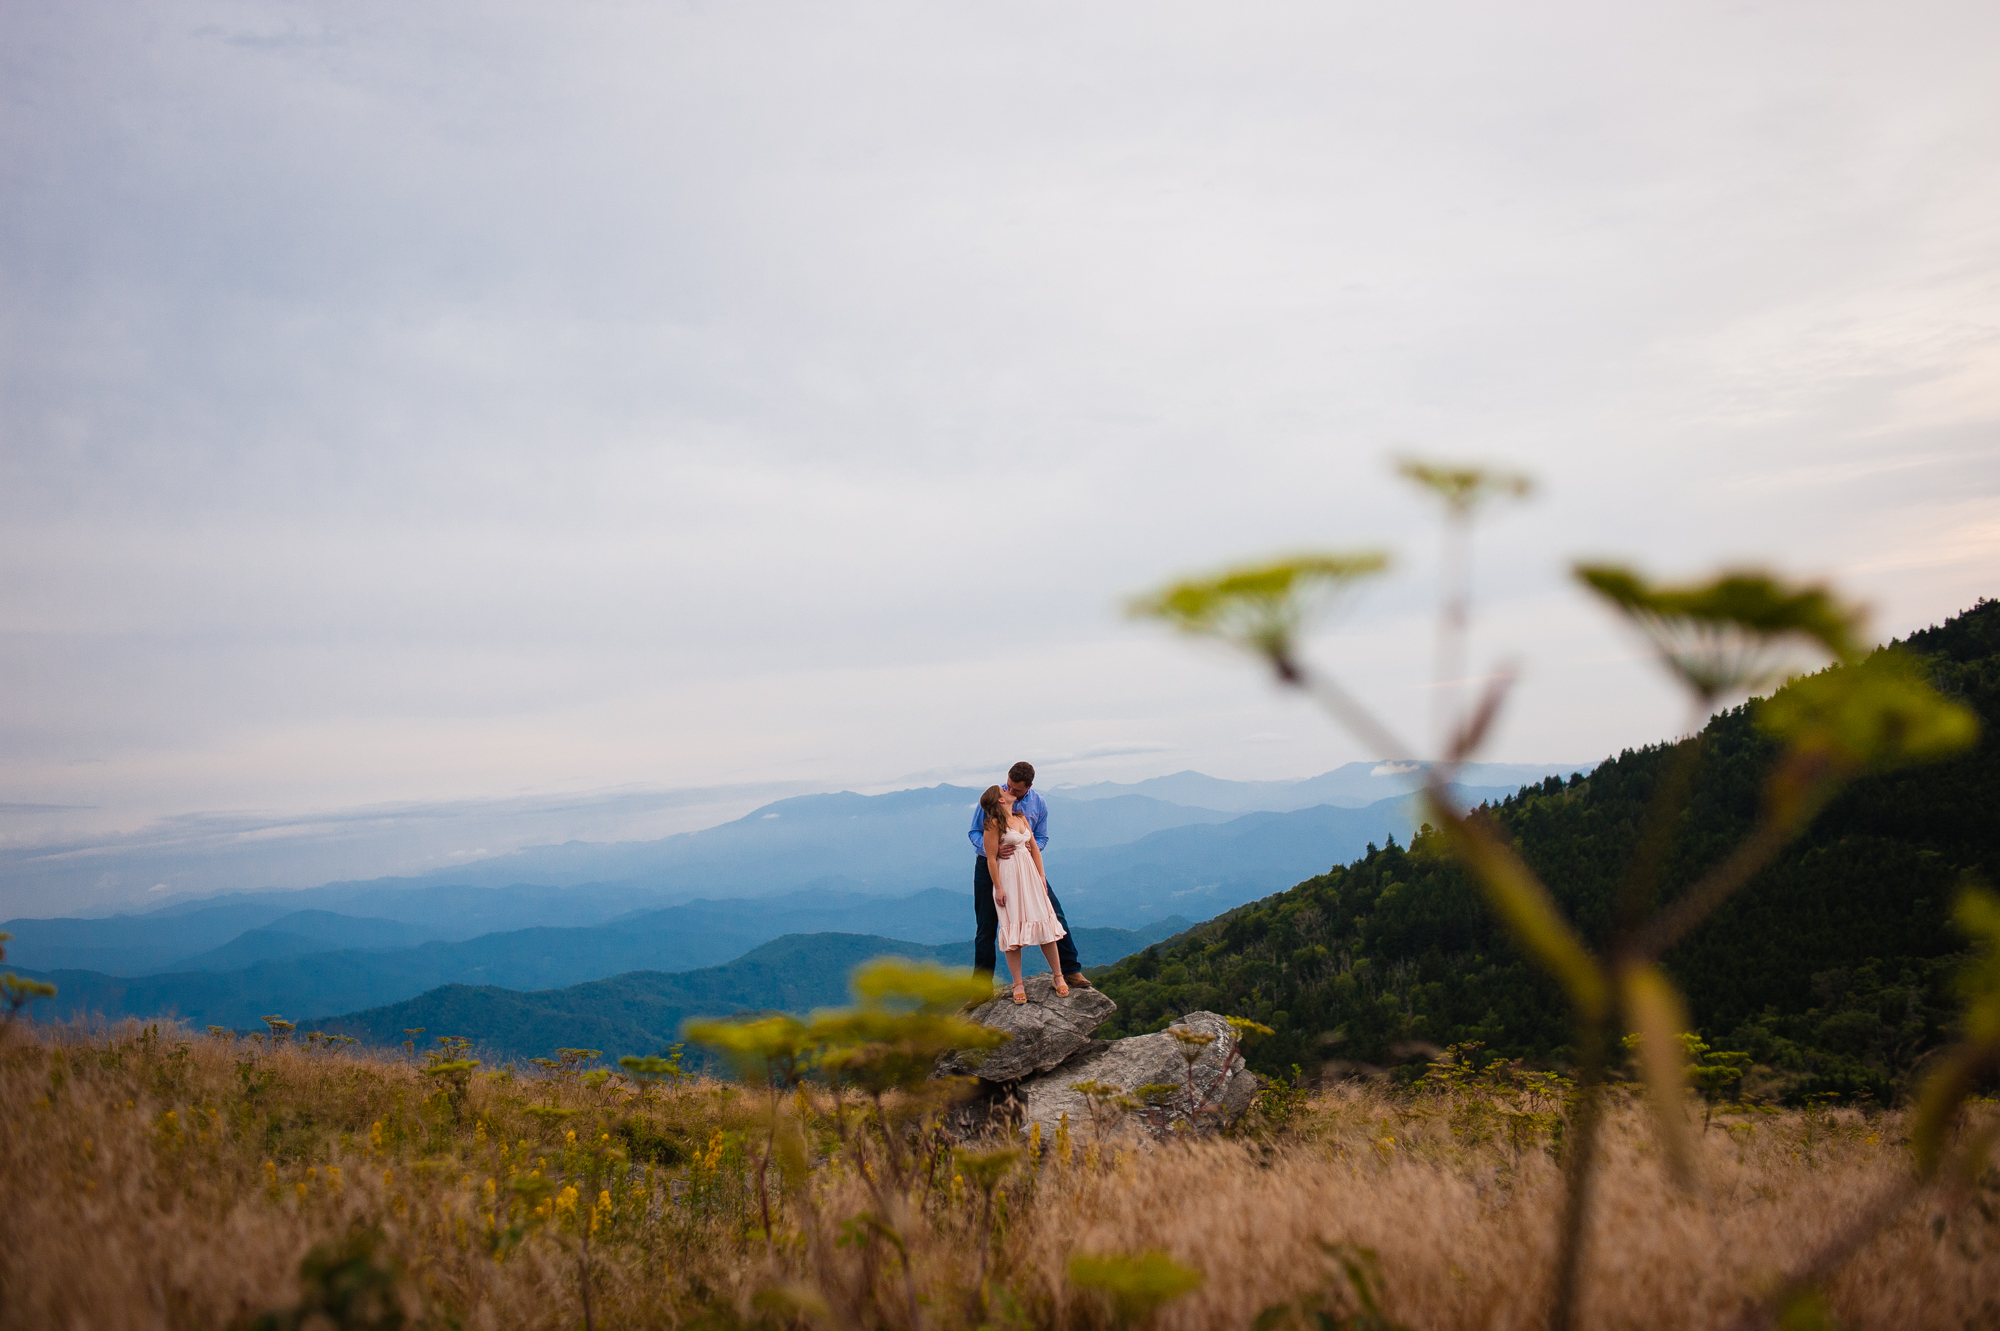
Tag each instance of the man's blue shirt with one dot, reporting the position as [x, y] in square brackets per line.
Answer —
[1030, 806]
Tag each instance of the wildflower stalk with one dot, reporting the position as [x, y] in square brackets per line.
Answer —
[1719, 638]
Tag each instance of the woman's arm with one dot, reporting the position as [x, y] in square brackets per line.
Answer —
[993, 861]
[1036, 851]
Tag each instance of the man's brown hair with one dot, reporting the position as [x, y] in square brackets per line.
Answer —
[1022, 772]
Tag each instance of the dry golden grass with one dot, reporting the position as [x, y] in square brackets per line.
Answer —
[170, 1180]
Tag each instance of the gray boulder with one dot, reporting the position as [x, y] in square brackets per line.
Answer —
[1045, 1032]
[1208, 1096]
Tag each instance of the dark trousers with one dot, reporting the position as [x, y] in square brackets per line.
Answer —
[983, 951]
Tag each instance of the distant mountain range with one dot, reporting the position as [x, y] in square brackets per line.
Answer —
[887, 845]
[686, 937]
[643, 1012]
[895, 865]
[1350, 786]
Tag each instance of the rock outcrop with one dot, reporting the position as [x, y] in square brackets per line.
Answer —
[1046, 1031]
[1208, 1095]
[1143, 1082]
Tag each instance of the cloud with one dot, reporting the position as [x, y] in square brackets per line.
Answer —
[1122, 750]
[404, 406]
[200, 854]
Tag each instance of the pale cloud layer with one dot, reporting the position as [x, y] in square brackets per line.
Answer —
[448, 403]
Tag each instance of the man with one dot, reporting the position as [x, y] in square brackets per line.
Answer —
[1020, 783]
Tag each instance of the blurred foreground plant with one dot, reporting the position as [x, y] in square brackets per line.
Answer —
[1724, 637]
[905, 1016]
[17, 991]
[1135, 1286]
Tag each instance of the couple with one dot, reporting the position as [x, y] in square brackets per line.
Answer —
[1010, 889]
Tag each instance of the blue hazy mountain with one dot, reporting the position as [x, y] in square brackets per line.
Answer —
[889, 844]
[136, 944]
[680, 938]
[895, 865]
[189, 862]
[884, 845]
[309, 963]
[1352, 785]
[907, 840]
[1194, 871]
[640, 1013]
[302, 933]
[172, 937]
[683, 937]
[1202, 871]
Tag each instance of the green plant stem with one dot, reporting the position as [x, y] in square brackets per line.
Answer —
[764, 1168]
[985, 1247]
[1454, 618]
[1344, 708]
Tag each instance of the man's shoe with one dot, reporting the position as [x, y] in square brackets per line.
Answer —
[1077, 981]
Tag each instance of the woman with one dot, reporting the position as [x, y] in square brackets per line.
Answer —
[1020, 890]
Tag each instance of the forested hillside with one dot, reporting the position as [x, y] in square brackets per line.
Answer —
[1832, 967]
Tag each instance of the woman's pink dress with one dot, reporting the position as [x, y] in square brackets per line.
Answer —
[1027, 920]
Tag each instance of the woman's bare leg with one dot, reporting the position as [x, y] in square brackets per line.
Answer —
[1055, 962]
[1013, 955]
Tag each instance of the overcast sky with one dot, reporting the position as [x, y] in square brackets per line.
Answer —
[452, 402]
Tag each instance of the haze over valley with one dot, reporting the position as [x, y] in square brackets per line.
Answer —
[1127, 861]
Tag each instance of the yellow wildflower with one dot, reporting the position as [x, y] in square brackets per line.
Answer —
[375, 1136]
[333, 1177]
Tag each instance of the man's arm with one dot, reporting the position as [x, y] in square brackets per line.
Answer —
[1040, 823]
[978, 833]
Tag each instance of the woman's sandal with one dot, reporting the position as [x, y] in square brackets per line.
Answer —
[1020, 993]
[1062, 990]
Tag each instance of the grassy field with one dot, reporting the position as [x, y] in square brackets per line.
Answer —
[158, 1178]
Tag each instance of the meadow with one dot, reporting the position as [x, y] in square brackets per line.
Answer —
[157, 1177]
